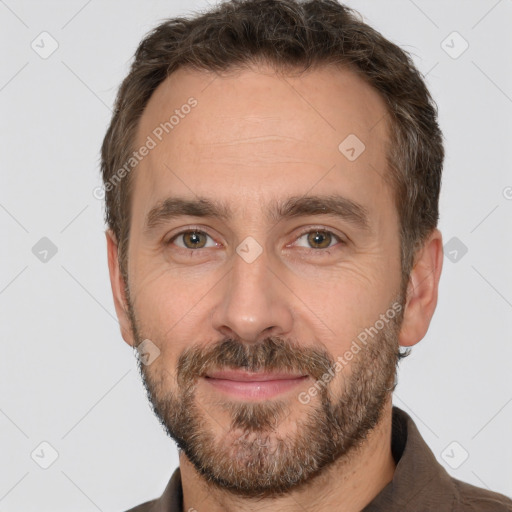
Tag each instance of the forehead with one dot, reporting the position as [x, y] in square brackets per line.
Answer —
[250, 134]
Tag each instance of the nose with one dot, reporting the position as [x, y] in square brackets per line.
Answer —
[255, 302]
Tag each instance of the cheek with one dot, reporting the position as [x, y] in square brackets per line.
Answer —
[342, 318]
[161, 294]
[344, 300]
[170, 310]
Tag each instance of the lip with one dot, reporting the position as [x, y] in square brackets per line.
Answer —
[257, 385]
[243, 376]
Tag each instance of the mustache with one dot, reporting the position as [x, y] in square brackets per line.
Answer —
[272, 354]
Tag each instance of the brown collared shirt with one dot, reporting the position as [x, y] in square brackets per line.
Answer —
[420, 483]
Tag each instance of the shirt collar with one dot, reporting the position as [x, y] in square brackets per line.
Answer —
[417, 471]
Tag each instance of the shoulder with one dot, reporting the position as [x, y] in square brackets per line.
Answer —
[149, 506]
[477, 499]
[170, 501]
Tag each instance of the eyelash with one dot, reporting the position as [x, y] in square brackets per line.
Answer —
[193, 229]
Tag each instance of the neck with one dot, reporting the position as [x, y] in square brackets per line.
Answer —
[349, 484]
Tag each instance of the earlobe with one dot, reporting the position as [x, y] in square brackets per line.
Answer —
[422, 290]
[118, 288]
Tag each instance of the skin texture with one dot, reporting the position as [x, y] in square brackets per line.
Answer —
[255, 138]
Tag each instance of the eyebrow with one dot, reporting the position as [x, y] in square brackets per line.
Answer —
[295, 206]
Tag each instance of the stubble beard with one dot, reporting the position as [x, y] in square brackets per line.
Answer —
[252, 456]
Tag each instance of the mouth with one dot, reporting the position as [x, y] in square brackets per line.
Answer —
[253, 385]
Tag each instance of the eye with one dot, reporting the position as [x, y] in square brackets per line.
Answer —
[314, 239]
[192, 239]
[319, 239]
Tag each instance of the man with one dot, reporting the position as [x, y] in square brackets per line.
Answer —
[272, 175]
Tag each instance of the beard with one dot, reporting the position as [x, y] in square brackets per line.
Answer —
[250, 457]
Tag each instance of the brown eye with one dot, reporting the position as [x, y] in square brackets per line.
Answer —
[319, 239]
[194, 239]
[191, 239]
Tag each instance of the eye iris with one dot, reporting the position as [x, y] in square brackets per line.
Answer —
[194, 236]
[315, 238]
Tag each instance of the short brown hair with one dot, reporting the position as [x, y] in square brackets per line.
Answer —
[288, 35]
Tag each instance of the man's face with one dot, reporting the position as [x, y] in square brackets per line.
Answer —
[265, 288]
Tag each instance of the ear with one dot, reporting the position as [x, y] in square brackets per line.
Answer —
[422, 290]
[118, 288]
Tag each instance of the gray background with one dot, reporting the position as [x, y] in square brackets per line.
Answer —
[68, 379]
